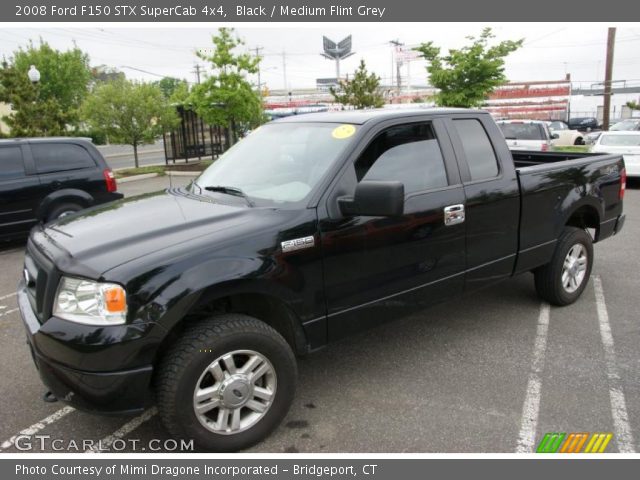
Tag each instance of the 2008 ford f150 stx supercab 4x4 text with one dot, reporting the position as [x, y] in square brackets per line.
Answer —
[311, 228]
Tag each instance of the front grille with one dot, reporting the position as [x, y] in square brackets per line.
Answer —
[42, 282]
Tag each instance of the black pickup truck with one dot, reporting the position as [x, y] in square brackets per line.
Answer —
[311, 228]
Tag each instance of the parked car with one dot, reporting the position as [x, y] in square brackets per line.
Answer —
[310, 229]
[566, 136]
[533, 135]
[625, 143]
[630, 124]
[584, 124]
[43, 179]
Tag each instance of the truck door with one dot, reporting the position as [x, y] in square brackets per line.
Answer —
[377, 268]
[18, 191]
[493, 199]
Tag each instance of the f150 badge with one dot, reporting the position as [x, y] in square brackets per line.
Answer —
[297, 244]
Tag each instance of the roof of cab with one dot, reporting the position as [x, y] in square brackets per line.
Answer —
[44, 140]
[360, 117]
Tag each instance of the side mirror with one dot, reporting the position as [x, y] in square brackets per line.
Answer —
[555, 136]
[375, 199]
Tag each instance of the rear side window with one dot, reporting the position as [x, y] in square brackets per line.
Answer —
[11, 165]
[477, 148]
[407, 153]
[56, 157]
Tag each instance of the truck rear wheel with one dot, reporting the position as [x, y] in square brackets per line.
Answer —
[226, 383]
[564, 278]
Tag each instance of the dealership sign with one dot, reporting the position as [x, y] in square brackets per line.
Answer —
[542, 100]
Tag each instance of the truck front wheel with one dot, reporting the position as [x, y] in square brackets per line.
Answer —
[226, 383]
[564, 278]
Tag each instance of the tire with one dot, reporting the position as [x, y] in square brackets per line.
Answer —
[188, 368]
[549, 278]
[579, 141]
[63, 209]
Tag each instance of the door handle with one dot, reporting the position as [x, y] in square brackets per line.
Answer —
[453, 214]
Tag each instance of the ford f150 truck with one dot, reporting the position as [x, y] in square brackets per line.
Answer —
[313, 227]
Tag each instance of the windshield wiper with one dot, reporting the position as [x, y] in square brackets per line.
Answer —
[235, 191]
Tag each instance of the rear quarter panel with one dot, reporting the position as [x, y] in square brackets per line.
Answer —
[551, 193]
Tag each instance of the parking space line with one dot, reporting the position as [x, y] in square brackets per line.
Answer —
[8, 295]
[36, 427]
[3, 314]
[621, 426]
[531, 406]
[124, 430]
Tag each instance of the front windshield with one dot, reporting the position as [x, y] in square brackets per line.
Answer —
[626, 125]
[279, 163]
[620, 140]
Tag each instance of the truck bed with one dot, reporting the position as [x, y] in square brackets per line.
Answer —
[527, 159]
[555, 185]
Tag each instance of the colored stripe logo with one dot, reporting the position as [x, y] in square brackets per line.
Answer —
[574, 442]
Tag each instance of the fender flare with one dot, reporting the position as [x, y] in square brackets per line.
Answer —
[72, 195]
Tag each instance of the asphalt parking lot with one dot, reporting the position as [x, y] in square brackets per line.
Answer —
[492, 372]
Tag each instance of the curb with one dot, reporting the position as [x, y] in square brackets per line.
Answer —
[177, 173]
[135, 178]
[130, 154]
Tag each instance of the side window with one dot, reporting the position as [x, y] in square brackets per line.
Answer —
[477, 148]
[11, 165]
[406, 153]
[56, 157]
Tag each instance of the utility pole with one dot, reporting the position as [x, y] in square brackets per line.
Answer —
[197, 71]
[397, 44]
[284, 70]
[608, 74]
[257, 50]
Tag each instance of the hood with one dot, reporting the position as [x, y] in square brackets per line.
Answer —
[110, 235]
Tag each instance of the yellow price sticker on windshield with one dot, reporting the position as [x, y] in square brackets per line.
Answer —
[343, 131]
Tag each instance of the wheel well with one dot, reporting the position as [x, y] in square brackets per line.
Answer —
[62, 200]
[270, 310]
[585, 217]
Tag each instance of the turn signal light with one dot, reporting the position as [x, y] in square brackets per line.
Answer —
[115, 299]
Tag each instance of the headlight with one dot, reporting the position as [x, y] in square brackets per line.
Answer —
[83, 301]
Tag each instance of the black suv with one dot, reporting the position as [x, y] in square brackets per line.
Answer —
[42, 179]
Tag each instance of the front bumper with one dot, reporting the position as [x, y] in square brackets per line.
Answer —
[122, 391]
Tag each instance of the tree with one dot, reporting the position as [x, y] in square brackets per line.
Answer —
[363, 91]
[51, 106]
[633, 105]
[467, 76]
[129, 112]
[226, 97]
[169, 85]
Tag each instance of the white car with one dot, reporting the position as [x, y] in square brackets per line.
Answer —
[527, 134]
[566, 136]
[626, 143]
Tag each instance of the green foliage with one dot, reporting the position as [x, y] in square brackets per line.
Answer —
[129, 112]
[51, 106]
[180, 94]
[633, 105]
[226, 98]
[362, 91]
[103, 73]
[170, 85]
[467, 76]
